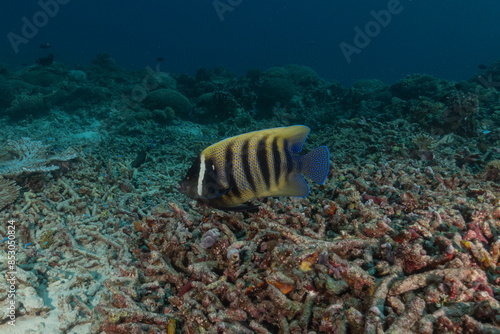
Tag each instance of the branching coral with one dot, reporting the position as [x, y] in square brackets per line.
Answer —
[425, 145]
[29, 156]
[9, 192]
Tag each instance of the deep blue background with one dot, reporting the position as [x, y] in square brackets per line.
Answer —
[445, 38]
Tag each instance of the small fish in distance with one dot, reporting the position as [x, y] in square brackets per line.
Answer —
[45, 46]
[228, 174]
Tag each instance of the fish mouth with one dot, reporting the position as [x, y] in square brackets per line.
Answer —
[184, 188]
[180, 188]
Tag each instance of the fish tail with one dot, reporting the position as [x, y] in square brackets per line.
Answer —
[316, 164]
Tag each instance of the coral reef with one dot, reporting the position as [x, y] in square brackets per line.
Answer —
[104, 61]
[417, 86]
[29, 156]
[10, 90]
[9, 192]
[76, 94]
[163, 98]
[492, 171]
[26, 105]
[284, 270]
[77, 76]
[43, 76]
[402, 237]
[460, 115]
[216, 105]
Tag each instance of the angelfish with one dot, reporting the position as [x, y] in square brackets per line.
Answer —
[228, 174]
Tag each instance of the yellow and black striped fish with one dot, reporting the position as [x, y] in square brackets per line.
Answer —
[231, 172]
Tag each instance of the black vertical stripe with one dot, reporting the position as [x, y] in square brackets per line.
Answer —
[194, 171]
[263, 161]
[229, 156]
[245, 161]
[276, 161]
[289, 159]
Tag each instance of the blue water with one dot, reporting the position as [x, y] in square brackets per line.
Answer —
[448, 38]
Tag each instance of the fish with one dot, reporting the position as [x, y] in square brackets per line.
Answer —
[160, 59]
[230, 173]
[45, 46]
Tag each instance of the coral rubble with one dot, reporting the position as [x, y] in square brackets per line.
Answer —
[402, 237]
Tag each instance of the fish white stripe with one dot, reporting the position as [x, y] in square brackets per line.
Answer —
[202, 175]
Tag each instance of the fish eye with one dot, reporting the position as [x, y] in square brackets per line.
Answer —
[211, 190]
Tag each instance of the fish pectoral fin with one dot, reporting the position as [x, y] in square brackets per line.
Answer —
[216, 194]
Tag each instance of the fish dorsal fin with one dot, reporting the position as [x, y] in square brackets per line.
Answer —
[295, 135]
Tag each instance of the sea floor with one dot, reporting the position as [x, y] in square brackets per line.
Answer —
[402, 237]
